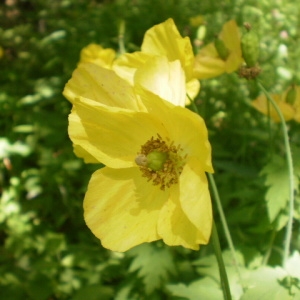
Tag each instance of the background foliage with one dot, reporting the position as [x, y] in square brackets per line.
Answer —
[46, 250]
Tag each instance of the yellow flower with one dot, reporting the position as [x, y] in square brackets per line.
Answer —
[157, 75]
[161, 40]
[208, 62]
[95, 54]
[156, 154]
[289, 110]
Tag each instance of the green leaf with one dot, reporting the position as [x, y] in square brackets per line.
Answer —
[205, 288]
[94, 292]
[153, 265]
[265, 284]
[277, 180]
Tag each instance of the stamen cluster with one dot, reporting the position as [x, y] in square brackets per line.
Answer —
[172, 167]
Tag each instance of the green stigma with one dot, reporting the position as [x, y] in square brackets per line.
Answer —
[156, 160]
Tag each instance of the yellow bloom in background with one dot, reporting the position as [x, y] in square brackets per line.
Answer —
[289, 109]
[95, 54]
[157, 75]
[156, 154]
[161, 40]
[209, 63]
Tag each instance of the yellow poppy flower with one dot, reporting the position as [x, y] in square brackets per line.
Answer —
[98, 55]
[161, 40]
[156, 154]
[209, 64]
[289, 110]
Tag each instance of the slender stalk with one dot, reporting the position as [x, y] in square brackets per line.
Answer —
[289, 228]
[225, 226]
[122, 49]
[222, 270]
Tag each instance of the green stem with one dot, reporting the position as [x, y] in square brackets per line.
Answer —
[225, 226]
[289, 228]
[222, 270]
[122, 49]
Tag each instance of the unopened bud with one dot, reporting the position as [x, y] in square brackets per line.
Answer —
[250, 46]
[221, 49]
[291, 95]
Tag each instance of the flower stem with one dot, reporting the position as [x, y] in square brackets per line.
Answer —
[222, 270]
[122, 49]
[225, 226]
[289, 228]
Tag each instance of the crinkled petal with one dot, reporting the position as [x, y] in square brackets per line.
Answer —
[125, 65]
[233, 62]
[112, 136]
[208, 64]
[122, 209]
[192, 90]
[231, 37]
[163, 78]
[101, 85]
[164, 39]
[98, 55]
[182, 126]
[195, 198]
[261, 104]
[174, 227]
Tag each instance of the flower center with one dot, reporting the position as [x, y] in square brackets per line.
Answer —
[161, 162]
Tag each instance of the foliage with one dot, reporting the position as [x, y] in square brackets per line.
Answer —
[47, 252]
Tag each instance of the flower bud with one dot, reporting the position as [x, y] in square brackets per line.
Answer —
[250, 46]
[221, 49]
[291, 95]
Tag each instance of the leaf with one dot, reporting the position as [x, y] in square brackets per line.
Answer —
[153, 264]
[205, 288]
[94, 292]
[265, 284]
[277, 180]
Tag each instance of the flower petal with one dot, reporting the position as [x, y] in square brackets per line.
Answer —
[163, 78]
[174, 227]
[101, 85]
[112, 136]
[165, 40]
[125, 65]
[95, 54]
[195, 198]
[231, 36]
[261, 104]
[208, 64]
[121, 208]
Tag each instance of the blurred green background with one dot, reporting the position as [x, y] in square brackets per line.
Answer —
[46, 250]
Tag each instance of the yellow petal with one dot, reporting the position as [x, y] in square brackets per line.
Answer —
[174, 227]
[231, 37]
[164, 39]
[195, 198]
[112, 136]
[101, 85]
[121, 208]
[208, 64]
[261, 104]
[95, 54]
[192, 90]
[125, 65]
[163, 78]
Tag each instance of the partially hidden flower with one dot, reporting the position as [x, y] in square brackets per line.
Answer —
[223, 56]
[288, 103]
[164, 40]
[96, 54]
[156, 154]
